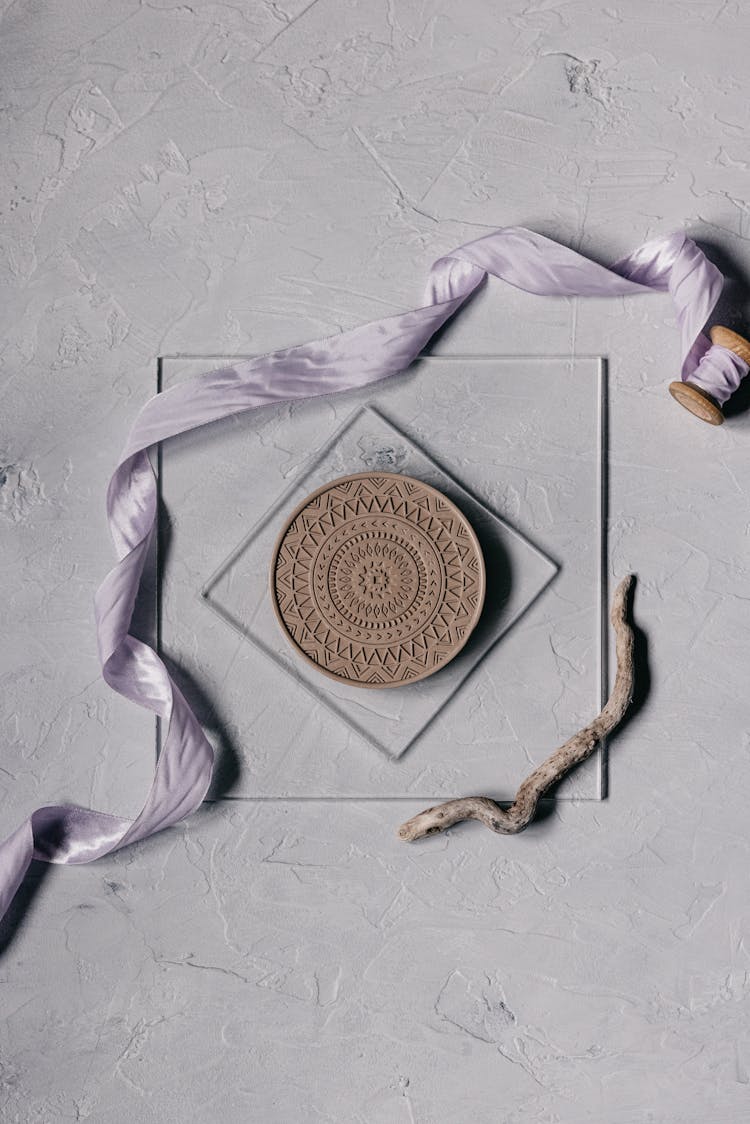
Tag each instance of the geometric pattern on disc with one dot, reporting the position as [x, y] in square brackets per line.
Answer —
[377, 579]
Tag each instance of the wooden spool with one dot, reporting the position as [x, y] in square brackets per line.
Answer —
[700, 402]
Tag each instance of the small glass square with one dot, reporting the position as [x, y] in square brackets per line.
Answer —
[517, 572]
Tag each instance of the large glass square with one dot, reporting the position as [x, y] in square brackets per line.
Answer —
[516, 443]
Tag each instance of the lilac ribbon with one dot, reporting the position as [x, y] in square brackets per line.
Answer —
[68, 834]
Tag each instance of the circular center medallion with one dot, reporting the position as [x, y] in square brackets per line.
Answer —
[377, 579]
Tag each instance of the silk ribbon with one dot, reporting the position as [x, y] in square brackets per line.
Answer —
[354, 359]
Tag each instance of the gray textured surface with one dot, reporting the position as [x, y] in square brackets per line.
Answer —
[208, 178]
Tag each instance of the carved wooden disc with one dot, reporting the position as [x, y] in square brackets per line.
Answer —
[377, 579]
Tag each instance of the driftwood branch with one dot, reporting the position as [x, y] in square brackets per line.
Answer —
[514, 819]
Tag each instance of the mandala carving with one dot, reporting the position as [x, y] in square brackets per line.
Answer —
[377, 579]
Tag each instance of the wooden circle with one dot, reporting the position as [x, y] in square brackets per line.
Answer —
[377, 579]
[697, 401]
[725, 337]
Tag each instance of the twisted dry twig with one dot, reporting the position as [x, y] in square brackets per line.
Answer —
[575, 750]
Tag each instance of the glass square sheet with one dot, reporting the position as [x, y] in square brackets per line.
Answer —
[390, 719]
[516, 444]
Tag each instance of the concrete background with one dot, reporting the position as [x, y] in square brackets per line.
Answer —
[208, 178]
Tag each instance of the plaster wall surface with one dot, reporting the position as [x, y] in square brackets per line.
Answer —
[208, 178]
